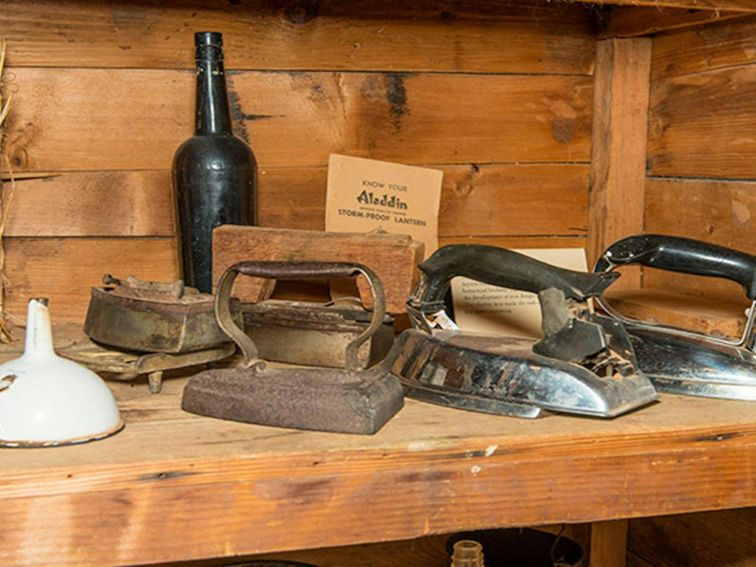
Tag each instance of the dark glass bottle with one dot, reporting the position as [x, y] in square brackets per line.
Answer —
[214, 172]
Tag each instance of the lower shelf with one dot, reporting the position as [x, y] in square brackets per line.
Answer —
[174, 486]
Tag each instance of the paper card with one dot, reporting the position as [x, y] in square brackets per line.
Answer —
[366, 194]
[489, 309]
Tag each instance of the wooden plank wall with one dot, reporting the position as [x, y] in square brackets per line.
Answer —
[702, 119]
[494, 92]
[701, 184]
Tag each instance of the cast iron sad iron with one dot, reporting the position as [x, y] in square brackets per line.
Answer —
[680, 361]
[345, 400]
[583, 365]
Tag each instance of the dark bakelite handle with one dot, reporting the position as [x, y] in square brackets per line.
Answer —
[503, 268]
[683, 255]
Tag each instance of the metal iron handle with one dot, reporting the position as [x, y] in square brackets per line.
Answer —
[686, 256]
[682, 255]
[499, 267]
[174, 290]
[296, 270]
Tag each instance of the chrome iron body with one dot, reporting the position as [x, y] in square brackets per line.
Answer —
[680, 361]
[584, 365]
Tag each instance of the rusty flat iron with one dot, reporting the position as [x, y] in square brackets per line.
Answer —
[346, 400]
[583, 365]
[143, 316]
[680, 361]
[315, 334]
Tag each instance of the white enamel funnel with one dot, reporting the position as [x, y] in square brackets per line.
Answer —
[46, 400]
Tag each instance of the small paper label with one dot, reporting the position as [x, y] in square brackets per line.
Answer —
[489, 309]
[366, 195]
[440, 320]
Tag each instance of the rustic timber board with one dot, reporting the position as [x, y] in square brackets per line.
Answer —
[492, 200]
[695, 123]
[175, 486]
[706, 48]
[297, 119]
[633, 21]
[398, 35]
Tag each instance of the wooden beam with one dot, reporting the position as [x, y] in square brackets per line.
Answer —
[618, 165]
[634, 21]
[608, 544]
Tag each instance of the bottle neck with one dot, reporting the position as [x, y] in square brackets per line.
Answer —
[213, 114]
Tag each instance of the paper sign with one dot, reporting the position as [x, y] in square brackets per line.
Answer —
[366, 194]
[489, 309]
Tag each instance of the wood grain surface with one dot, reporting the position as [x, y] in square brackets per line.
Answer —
[485, 200]
[699, 287]
[518, 241]
[476, 200]
[515, 200]
[701, 125]
[633, 560]
[428, 551]
[400, 35]
[704, 49]
[721, 212]
[175, 486]
[609, 544]
[634, 21]
[704, 314]
[725, 538]
[64, 270]
[740, 5]
[93, 119]
[618, 161]
[94, 203]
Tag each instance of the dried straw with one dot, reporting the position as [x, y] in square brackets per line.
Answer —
[7, 189]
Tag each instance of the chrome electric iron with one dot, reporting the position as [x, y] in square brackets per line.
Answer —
[584, 364]
[680, 361]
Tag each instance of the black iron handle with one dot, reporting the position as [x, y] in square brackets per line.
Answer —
[682, 255]
[295, 270]
[503, 268]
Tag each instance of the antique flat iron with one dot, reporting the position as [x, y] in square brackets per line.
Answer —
[679, 361]
[346, 400]
[583, 365]
[141, 327]
[144, 316]
[315, 334]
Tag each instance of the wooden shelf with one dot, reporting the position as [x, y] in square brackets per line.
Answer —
[174, 486]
